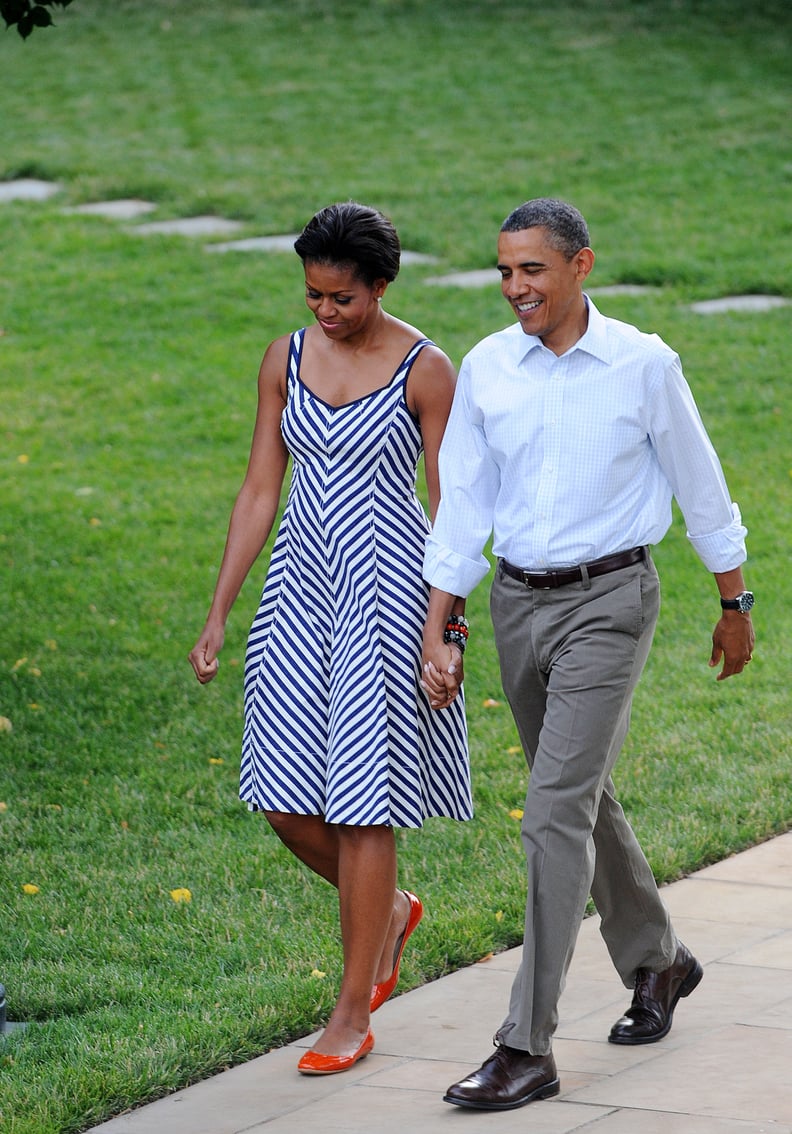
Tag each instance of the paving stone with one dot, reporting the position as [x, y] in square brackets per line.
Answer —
[122, 209]
[621, 289]
[408, 257]
[27, 189]
[188, 226]
[739, 303]
[284, 242]
[484, 277]
[481, 278]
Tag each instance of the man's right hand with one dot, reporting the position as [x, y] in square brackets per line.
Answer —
[442, 673]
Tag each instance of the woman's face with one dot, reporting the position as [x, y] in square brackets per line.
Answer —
[341, 302]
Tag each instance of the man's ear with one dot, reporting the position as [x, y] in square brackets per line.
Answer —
[584, 262]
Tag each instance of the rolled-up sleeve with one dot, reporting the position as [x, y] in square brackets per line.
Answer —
[469, 484]
[725, 549]
[692, 467]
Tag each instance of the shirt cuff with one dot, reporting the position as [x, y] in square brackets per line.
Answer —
[451, 572]
[724, 550]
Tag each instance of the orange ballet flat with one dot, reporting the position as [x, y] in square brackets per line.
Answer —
[381, 992]
[315, 1063]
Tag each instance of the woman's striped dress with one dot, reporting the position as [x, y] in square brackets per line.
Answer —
[335, 721]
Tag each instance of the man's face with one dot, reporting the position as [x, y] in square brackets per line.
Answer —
[543, 288]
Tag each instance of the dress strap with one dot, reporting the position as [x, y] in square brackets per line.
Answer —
[295, 355]
[406, 366]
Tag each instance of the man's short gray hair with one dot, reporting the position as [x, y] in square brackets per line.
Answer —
[566, 227]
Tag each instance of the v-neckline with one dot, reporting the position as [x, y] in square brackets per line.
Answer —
[363, 397]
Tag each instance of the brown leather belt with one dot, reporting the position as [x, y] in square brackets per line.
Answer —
[546, 580]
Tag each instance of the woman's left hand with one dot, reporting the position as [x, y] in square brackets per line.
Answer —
[442, 674]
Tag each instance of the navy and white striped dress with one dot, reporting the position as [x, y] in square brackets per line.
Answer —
[335, 721]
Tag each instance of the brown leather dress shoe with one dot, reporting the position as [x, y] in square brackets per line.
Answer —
[508, 1079]
[651, 1013]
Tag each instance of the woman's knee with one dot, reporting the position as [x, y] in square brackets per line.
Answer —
[286, 825]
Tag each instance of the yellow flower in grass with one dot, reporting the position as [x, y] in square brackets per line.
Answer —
[317, 974]
[18, 664]
[5, 725]
[499, 915]
[181, 894]
[516, 813]
[491, 703]
[3, 806]
[515, 748]
[216, 760]
[29, 888]
[23, 458]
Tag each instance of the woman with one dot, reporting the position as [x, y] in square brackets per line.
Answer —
[339, 746]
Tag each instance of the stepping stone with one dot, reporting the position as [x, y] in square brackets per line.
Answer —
[285, 243]
[27, 189]
[482, 278]
[417, 258]
[620, 289]
[188, 226]
[122, 209]
[256, 244]
[487, 276]
[739, 303]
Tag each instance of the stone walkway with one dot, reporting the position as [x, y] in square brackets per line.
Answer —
[725, 1067]
[31, 189]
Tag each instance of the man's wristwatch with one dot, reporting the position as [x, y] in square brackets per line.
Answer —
[743, 602]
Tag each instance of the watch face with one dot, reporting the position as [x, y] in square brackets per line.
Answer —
[746, 601]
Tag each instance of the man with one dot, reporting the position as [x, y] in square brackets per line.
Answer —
[568, 436]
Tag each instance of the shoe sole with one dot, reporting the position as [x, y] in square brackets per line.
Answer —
[691, 981]
[546, 1091]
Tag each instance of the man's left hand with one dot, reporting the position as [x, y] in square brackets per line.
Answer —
[733, 640]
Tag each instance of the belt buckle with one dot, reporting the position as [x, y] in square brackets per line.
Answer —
[549, 575]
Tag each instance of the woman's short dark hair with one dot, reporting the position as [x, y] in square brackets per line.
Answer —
[354, 235]
[567, 230]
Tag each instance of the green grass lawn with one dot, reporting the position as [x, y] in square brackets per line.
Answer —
[127, 392]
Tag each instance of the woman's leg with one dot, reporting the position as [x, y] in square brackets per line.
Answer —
[315, 843]
[310, 839]
[366, 885]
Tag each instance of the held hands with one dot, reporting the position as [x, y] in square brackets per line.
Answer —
[443, 673]
[733, 640]
[203, 656]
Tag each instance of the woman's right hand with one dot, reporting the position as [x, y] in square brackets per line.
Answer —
[203, 656]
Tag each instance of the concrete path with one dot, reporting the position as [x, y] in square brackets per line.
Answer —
[725, 1068]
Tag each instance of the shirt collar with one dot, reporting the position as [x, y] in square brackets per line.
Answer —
[593, 341]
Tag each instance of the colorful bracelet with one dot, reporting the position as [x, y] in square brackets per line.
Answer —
[458, 622]
[457, 631]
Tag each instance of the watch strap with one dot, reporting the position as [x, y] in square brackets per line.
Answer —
[742, 602]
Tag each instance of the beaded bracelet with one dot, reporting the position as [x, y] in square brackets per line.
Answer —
[456, 631]
[458, 622]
